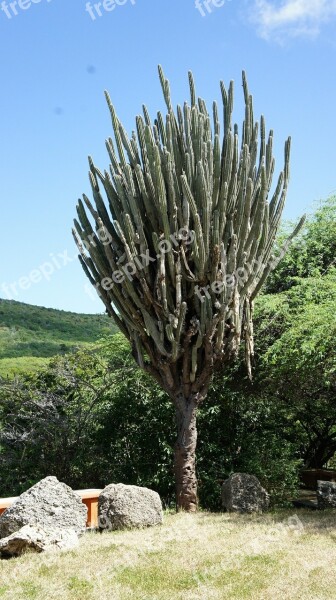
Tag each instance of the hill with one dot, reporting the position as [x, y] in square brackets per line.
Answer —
[29, 335]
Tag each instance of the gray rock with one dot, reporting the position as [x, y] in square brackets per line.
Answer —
[326, 494]
[243, 493]
[49, 503]
[126, 506]
[38, 540]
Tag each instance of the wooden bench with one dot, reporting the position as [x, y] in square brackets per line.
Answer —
[89, 498]
[6, 502]
[310, 477]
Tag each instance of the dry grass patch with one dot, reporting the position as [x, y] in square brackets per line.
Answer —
[191, 557]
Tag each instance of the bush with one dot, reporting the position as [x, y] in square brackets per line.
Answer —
[94, 418]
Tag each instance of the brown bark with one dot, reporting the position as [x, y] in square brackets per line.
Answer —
[185, 454]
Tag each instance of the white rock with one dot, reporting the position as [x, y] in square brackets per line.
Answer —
[126, 506]
[38, 540]
[48, 504]
[243, 493]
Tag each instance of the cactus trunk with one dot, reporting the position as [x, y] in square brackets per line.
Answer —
[185, 454]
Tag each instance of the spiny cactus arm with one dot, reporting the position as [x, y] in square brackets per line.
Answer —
[216, 171]
[197, 223]
[194, 353]
[148, 207]
[174, 212]
[111, 194]
[262, 275]
[276, 195]
[241, 190]
[93, 276]
[205, 201]
[165, 88]
[245, 221]
[116, 130]
[112, 155]
[97, 196]
[273, 261]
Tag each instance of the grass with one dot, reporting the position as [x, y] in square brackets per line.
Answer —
[29, 335]
[191, 557]
[9, 367]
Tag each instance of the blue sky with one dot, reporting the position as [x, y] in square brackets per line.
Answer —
[56, 61]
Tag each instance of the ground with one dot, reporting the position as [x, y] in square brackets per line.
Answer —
[285, 555]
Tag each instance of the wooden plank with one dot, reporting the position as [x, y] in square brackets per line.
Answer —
[89, 498]
[88, 493]
[6, 502]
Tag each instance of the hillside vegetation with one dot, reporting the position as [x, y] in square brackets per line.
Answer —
[29, 335]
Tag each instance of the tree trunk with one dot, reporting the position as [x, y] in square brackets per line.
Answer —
[185, 454]
[320, 453]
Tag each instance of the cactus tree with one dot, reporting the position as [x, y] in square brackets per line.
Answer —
[183, 245]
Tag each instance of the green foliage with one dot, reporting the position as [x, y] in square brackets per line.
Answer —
[277, 313]
[296, 330]
[240, 431]
[305, 353]
[313, 251]
[47, 419]
[297, 362]
[93, 418]
[83, 419]
[21, 365]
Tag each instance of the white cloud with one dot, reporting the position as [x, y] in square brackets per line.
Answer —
[291, 18]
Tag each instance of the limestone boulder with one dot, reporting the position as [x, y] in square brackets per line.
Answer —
[326, 494]
[36, 539]
[128, 506]
[243, 493]
[48, 504]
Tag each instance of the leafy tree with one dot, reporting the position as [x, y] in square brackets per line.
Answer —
[183, 247]
[298, 364]
[313, 251]
[47, 419]
[243, 430]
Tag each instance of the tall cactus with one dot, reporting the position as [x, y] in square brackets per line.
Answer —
[183, 246]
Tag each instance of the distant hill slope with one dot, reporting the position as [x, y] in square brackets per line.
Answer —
[31, 334]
